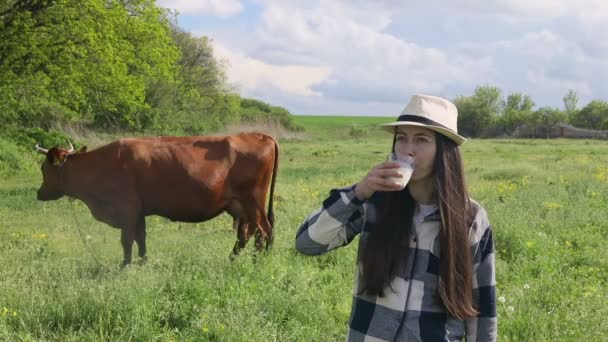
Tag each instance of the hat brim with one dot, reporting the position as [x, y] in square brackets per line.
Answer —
[391, 126]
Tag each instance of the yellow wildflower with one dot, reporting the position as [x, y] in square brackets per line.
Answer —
[552, 205]
[602, 174]
[506, 187]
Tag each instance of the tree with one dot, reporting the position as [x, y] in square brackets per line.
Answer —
[517, 111]
[593, 116]
[203, 78]
[545, 118]
[110, 64]
[478, 112]
[570, 102]
[513, 102]
[489, 99]
[527, 104]
[92, 60]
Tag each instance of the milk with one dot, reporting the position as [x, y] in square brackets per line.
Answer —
[406, 168]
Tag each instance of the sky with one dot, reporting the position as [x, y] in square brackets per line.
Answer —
[338, 57]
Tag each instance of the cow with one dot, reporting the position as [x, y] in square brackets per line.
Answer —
[186, 179]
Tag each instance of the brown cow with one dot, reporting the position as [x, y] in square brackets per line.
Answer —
[187, 179]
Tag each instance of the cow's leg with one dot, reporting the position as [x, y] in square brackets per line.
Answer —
[257, 214]
[270, 240]
[140, 237]
[264, 232]
[261, 231]
[266, 227]
[127, 237]
[243, 234]
[259, 244]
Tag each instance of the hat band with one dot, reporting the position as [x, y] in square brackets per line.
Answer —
[422, 120]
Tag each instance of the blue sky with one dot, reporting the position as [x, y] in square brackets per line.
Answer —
[368, 57]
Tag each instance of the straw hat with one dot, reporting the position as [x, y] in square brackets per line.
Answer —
[432, 112]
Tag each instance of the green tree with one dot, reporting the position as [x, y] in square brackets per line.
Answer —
[544, 119]
[570, 103]
[200, 102]
[527, 104]
[593, 116]
[478, 112]
[113, 64]
[517, 111]
[513, 102]
[92, 60]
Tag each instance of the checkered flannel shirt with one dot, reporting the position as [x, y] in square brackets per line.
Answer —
[412, 310]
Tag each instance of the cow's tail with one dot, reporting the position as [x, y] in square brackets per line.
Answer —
[270, 213]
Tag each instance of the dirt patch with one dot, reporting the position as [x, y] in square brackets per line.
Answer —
[82, 133]
[270, 127]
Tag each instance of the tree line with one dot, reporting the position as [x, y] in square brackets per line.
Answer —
[487, 114]
[113, 65]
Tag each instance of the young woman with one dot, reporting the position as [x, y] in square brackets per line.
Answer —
[426, 267]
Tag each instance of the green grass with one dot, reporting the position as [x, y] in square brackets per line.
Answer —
[340, 127]
[60, 280]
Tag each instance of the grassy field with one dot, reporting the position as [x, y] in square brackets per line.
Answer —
[60, 280]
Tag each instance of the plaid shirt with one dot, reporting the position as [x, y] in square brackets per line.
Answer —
[413, 310]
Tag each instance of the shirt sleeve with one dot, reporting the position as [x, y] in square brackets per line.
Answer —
[483, 328]
[335, 224]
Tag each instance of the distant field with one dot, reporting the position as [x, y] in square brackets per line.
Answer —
[60, 280]
[332, 127]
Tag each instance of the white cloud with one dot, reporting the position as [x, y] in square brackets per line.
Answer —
[221, 8]
[366, 63]
[360, 55]
[540, 9]
[545, 65]
[557, 86]
[373, 14]
[251, 74]
[544, 44]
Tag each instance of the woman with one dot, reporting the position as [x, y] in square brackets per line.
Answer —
[426, 253]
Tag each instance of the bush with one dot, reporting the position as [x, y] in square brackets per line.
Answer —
[357, 132]
[14, 159]
[254, 110]
[27, 138]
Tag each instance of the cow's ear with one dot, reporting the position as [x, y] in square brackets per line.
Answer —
[83, 149]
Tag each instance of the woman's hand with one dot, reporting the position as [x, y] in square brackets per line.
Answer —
[376, 180]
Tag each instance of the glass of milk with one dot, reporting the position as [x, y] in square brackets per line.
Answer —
[406, 168]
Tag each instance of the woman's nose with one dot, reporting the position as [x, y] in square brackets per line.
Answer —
[409, 149]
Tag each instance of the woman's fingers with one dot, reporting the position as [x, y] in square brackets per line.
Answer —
[377, 179]
[383, 184]
[383, 173]
[387, 165]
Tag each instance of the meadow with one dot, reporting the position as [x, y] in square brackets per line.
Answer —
[60, 278]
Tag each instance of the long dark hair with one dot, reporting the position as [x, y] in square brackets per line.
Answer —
[387, 247]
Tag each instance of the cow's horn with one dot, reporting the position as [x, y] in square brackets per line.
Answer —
[71, 147]
[41, 150]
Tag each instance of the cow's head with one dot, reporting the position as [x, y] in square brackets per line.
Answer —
[53, 171]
